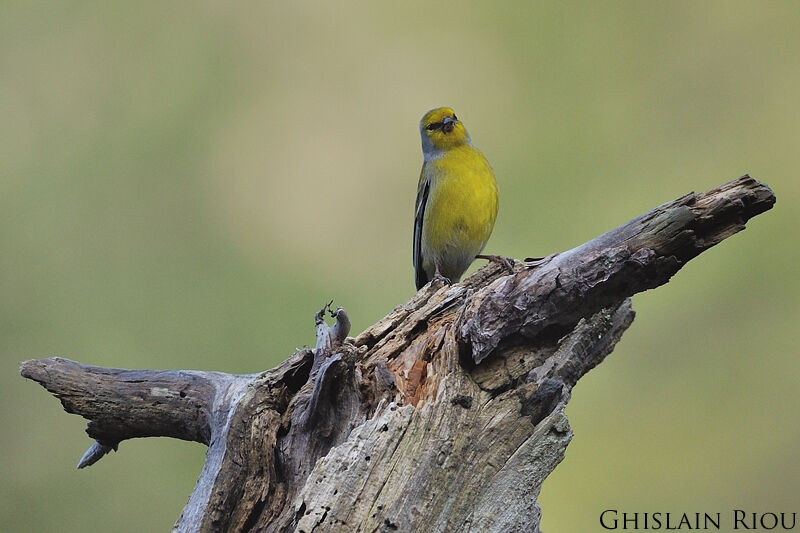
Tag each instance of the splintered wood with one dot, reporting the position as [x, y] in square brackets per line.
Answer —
[445, 416]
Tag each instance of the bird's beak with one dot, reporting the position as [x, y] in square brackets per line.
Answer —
[448, 124]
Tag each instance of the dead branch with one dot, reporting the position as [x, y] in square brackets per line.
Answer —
[446, 415]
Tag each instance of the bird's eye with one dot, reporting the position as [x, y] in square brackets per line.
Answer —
[454, 117]
[434, 126]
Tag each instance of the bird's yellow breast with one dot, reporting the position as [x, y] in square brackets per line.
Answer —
[462, 208]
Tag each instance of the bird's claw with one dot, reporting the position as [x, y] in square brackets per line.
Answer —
[505, 262]
[438, 278]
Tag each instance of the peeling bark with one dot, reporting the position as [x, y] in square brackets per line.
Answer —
[446, 415]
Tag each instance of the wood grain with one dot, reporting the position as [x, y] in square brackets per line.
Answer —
[445, 416]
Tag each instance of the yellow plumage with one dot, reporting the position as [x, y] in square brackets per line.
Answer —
[456, 199]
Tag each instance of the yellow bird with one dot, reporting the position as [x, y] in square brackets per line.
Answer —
[456, 200]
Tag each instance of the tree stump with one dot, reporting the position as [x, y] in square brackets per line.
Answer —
[445, 416]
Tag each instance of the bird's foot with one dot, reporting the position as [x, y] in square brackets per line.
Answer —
[505, 262]
[441, 280]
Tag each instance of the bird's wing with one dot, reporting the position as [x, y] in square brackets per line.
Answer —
[419, 214]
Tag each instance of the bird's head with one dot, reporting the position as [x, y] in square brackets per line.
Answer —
[441, 130]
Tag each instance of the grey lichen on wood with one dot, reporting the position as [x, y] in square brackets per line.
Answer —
[446, 415]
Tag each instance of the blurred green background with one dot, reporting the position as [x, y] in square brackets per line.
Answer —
[182, 185]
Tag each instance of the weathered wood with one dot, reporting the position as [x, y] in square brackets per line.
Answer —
[122, 404]
[446, 415]
[639, 255]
